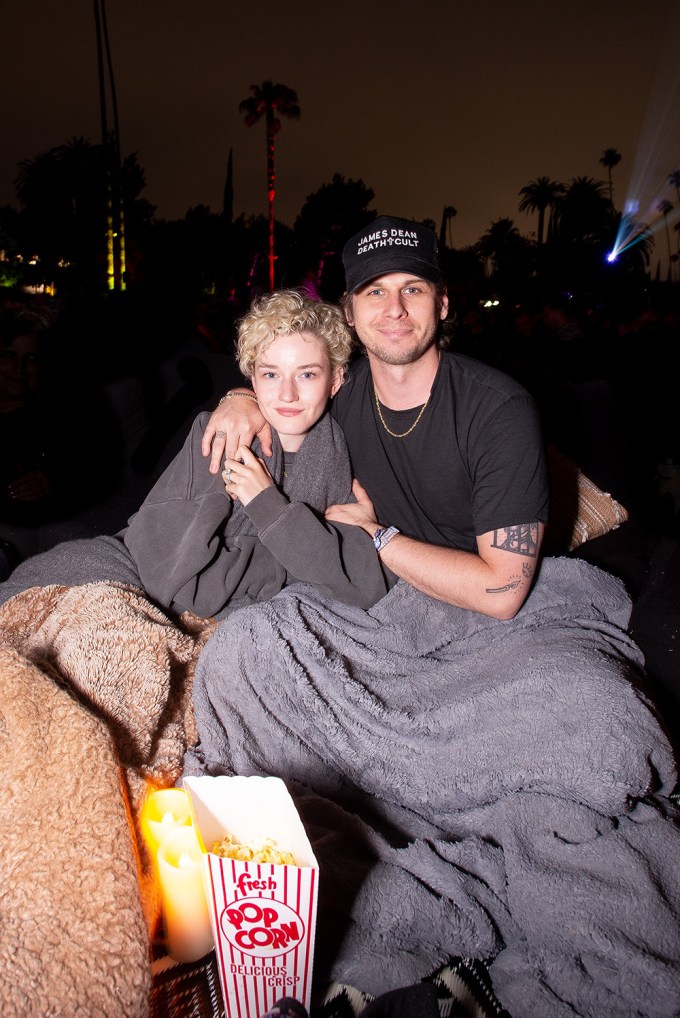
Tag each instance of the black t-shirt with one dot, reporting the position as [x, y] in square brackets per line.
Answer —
[474, 462]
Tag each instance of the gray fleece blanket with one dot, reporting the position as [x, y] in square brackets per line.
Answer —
[472, 787]
[72, 564]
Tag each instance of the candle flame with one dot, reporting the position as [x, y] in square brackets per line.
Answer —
[185, 860]
[168, 818]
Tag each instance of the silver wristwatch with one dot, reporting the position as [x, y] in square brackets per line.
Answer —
[383, 536]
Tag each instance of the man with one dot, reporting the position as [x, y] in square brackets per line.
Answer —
[450, 473]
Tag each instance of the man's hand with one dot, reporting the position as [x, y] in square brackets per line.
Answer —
[245, 476]
[359, 514]
[233, 424]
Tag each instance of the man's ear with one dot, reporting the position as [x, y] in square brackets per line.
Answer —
[445, 307]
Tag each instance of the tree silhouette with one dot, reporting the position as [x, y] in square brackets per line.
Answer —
[584, 212]
[271, 102]
[537, 196]
[664, 207]
[508, 252]
[610, 157]
[583, 223]
[328, 218]
[674, 179]
[63, 198]
[448, 214]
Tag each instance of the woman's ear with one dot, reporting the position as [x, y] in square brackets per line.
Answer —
[337, 378]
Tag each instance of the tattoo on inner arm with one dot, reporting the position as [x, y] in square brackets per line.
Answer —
[521, 540]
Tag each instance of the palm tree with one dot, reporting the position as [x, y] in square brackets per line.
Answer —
[610, 157]
[448, 214]
[664, 207]
[537, 196]
[674, 179]
[509, 255]
[271, 102]
[501, 235]
[584, 211]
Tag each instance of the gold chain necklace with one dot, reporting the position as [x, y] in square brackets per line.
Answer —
[382, 419]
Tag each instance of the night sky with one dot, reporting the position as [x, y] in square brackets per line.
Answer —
[431, 103]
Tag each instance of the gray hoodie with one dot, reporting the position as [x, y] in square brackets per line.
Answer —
[195, 549]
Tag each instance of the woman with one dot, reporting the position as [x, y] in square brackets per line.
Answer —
[204, 542]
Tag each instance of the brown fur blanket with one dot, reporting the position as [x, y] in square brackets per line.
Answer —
[95, 705]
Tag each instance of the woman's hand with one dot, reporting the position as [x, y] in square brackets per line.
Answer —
[245, 476]
[234, 423]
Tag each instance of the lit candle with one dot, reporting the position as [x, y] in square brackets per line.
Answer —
[183, 902]
[164, 811]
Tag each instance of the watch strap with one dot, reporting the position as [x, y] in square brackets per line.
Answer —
[382, 536]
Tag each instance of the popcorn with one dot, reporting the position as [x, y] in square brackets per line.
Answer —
[265, 851]
[262, 899]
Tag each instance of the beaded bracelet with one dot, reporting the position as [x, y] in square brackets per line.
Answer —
[229, 395]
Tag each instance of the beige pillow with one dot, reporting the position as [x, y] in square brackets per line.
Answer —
[579, 510]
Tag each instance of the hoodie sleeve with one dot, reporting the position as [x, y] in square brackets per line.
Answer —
[179, 541]
[336, 558]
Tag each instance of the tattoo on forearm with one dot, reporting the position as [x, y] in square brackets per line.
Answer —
[522, 540]
[501, 590]
[527, 573]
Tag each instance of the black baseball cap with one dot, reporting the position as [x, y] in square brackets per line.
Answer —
[390, 245]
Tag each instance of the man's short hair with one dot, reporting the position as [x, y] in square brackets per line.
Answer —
[285, 312]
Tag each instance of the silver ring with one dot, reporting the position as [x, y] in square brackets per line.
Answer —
[220, 434]
[227, 475]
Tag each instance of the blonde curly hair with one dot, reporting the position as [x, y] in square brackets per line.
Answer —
[287, 311]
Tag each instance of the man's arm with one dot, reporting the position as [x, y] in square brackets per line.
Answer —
[495, 581]
[234, 422]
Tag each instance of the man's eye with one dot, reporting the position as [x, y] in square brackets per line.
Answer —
[268, 374]
[412, 289]
[308, 374]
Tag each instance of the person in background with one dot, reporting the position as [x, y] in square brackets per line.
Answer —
[30, 458]
[24, 475]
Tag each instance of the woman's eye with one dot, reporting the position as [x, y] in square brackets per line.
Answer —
[308, 374]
